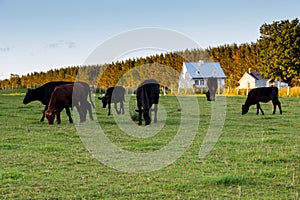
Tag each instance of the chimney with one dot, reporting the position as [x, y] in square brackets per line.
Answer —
[249, 70]
[201, 62]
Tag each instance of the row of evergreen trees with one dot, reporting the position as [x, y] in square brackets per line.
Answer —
[276, 55]
[106, 75]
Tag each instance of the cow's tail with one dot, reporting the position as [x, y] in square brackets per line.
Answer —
[123, 96]
[90, 96]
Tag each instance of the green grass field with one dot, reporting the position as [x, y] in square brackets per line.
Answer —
[256, 157]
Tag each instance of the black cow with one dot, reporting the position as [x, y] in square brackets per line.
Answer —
[147, 94]
[43, 94]
[212, 84]
[114, 95]
[263, 94]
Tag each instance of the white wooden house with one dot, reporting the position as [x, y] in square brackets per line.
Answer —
[196, 74]
[254, 79]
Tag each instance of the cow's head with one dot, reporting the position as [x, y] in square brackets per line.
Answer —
[104, 100]
[50, 115]
[245, 109]
[207, 96]
[28, 97]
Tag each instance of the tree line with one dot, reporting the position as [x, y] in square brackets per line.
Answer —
[276, 54]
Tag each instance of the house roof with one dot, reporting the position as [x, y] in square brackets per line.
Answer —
[256, 75]
[204, 69]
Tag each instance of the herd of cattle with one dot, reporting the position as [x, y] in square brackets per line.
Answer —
[60, 95]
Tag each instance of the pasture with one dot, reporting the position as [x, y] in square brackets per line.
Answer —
[256, 157]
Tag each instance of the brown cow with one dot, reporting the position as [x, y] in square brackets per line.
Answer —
[65, 96]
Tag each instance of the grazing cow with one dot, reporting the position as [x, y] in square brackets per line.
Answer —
[263, 94]
[212, 84]
[147, 94]
[66, 96]
[114, 95]
[43, 94]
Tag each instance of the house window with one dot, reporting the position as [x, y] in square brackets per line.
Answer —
[199, 82]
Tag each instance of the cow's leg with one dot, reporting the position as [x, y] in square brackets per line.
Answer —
[116, 108]
[213, 96]
[274, 106]
[259, 108]
[262, 112]
[275, 103]
[140, 116]
[147, 117]
[155, 113]
[279, 106]
[43, 116]
[207, 96]
[84, 108]
[109, 109]
[82, 111]
[140, 112]
[58, 118]
[122, 107]
[79, 109]
[89, 107]
[69, 114]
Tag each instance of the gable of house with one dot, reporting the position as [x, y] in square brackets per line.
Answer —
[247, 81]
[252, 80]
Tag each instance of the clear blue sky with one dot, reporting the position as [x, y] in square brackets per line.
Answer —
[36, 35]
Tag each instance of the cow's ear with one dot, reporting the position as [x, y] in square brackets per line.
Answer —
[137, 110]
[100, 98]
